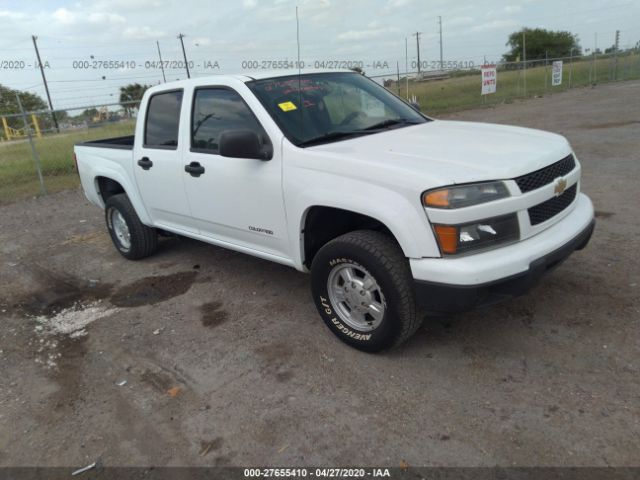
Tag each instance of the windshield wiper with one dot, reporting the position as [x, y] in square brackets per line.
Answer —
[331, 136]
[389, 123]
[340, 135]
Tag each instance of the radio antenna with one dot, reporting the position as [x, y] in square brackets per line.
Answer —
[299, 73]
[298, 37]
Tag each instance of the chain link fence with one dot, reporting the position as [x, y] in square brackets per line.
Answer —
[36, 156]
[446, 90]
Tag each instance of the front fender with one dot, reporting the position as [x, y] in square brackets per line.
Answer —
[405, 219]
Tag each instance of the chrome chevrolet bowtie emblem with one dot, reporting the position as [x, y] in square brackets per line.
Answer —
[561, 184]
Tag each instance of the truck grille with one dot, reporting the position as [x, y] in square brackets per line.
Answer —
[550, 208]
[546, 175]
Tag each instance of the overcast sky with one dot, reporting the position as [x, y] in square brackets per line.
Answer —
[231, 32]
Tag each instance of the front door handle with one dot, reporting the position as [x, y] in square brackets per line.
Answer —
[194, 169]
[145, 163]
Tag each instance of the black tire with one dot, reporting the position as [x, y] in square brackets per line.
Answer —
[143, 239]
[380, 256]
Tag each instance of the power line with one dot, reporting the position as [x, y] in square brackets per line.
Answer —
[103, 79]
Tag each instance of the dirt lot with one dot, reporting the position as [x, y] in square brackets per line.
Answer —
[227, 363]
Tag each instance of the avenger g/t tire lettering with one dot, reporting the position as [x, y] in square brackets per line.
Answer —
[363, 289]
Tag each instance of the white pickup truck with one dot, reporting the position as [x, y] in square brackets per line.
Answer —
[329, 172]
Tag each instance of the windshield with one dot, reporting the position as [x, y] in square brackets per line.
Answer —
[325, 107]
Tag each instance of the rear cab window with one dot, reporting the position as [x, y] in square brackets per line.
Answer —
[162, 123]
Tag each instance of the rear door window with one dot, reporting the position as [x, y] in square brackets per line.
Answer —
[163, 120]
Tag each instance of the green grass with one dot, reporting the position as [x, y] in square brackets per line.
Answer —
[461, 92]
[18, 178]
[18, 175]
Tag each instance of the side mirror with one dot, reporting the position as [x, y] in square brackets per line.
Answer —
[243, 144]
[415, 106]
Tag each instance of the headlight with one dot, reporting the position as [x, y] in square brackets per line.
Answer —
[483, 234]
[464, 195]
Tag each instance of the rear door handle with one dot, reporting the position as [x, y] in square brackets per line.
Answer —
[145, 163]
[194, 169]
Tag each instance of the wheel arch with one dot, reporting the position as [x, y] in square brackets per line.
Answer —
[107, 184]
[107, 187]
[321, 224]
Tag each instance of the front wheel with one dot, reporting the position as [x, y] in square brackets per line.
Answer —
[131, 237]
[362, 287]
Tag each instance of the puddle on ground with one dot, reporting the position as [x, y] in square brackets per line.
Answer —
[160, 381]
[151, 290]
[610, 125]
[274, 360]
[59, 312]
[213, 315]
[61, 292]
[64, 306]
[601, 214]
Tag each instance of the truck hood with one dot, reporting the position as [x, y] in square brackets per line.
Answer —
[442, 152]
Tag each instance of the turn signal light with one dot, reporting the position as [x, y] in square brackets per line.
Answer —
[447, 238]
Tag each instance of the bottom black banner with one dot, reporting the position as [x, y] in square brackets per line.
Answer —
[96, 471]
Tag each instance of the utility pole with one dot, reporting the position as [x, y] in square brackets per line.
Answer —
[595, 59]
[417, 35]
[406, 64]
[44, 79]
[34, 152]
[524, 61]
[440, 25]
[164, 79]
[570, 67]
[546, 74]
[184, 54]
[617, 46]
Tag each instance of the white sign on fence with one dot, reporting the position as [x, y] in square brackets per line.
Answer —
[489, 79]
[556, 73]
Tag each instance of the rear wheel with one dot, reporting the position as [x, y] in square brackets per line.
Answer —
[131, 237]
[363, 289]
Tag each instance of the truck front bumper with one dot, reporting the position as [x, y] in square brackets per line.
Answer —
[491, 277]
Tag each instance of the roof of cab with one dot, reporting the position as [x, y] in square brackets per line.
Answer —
[248, 77]
[262, 74]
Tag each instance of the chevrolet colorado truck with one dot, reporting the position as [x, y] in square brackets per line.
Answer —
[330, 173]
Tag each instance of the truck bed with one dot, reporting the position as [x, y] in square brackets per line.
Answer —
[122, 143]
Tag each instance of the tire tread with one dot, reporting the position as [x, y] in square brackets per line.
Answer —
[144, 239]
[387, 251]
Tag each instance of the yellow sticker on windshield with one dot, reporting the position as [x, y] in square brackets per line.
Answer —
[287, 106]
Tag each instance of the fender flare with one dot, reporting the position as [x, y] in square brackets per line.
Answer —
[129, 189]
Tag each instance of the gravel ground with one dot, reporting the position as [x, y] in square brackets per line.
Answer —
[202, 356]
